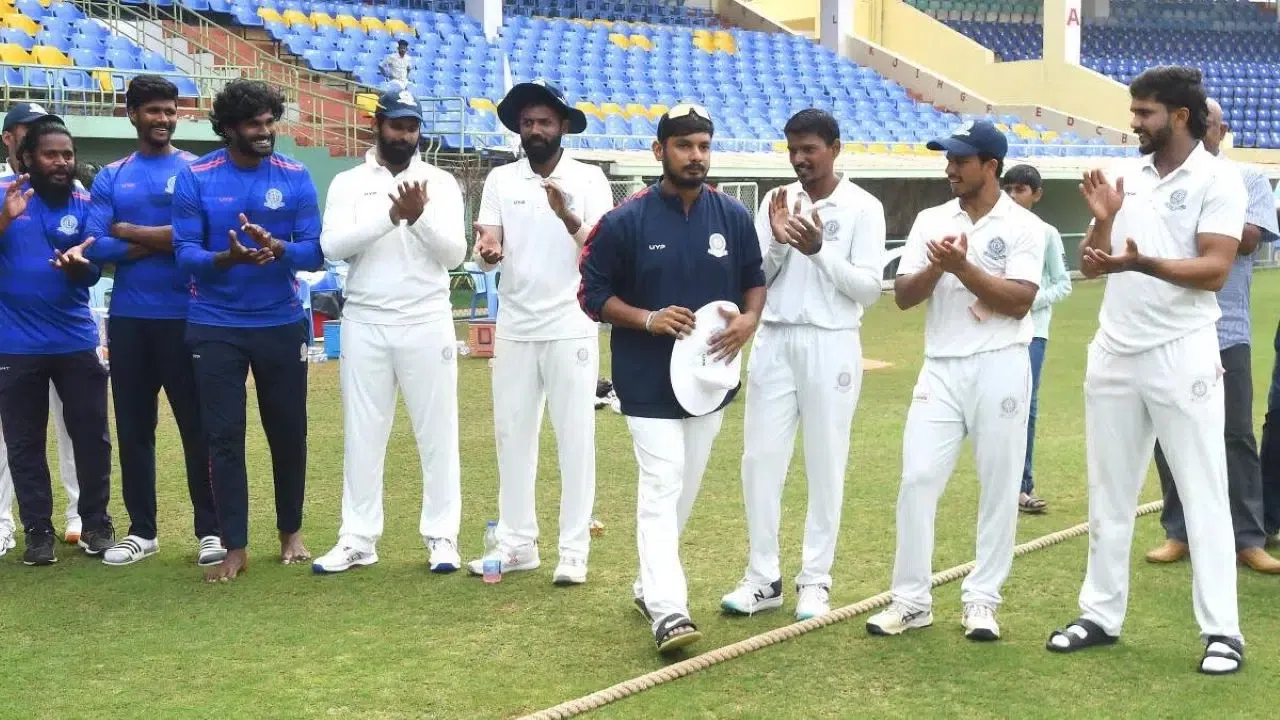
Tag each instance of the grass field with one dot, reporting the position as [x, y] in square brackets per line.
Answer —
[393, 641]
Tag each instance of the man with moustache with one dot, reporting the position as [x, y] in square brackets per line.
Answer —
[977, 262]
[244, 311]
[649, 266]
[535, 214]
[1165, 234]
[47, 334]
[20, 118]
[398, 221]
[130, 219]
[822, 239]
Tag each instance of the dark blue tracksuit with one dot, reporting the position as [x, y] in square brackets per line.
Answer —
[650, 255]
[249, 316]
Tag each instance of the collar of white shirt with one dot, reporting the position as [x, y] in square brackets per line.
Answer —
[1004, 205]
[842, 194]
[1198, 157]
[371, 160]
[527, 172]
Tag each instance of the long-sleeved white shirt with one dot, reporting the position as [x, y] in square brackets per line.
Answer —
[397, 274]
[831, 288]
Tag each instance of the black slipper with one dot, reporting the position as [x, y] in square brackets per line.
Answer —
[1229, 648]
[674, 632]
[1079, 635]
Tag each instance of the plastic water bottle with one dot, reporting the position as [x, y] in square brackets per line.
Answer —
[492, 560]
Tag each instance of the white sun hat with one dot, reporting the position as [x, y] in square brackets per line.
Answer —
[699, 381]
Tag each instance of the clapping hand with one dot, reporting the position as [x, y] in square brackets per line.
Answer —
[409, 204]
[1104, 201]
[73, 260]
[15, 198]
[950, 254]
[1097, 262]
[487, 246]
[270, 248]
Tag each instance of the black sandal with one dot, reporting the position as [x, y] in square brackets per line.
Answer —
[674, 632]
[1229, 649]
[1032, 505]
[1079, 635]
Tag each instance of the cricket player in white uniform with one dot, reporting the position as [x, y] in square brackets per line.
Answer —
[822, 241]
[535, 215]
[1165, 234]
[398, 221]
[977, 260]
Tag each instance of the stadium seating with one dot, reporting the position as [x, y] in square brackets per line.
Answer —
[1236, 44]
[657, 12]
[70, 51]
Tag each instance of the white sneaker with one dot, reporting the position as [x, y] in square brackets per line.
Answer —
[211, 551]
[897, 619]
[7, 541]
[129, 551]
[979, 622]
[443, 555]
[514, 559]
[814, 600]
[74, 528]
[571, 570]
[750, 598]
[342, 558]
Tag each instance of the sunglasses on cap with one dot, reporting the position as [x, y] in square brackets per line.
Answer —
[685, 109]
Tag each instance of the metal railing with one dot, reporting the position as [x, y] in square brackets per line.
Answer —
[98, 94]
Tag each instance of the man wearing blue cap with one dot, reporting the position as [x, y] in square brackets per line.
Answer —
[398, 221]
[977, 262]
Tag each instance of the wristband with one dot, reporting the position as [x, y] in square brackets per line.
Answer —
[648, 321]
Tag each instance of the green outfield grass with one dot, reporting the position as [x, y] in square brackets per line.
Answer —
[392, 641]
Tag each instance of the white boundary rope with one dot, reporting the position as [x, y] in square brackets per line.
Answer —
[675, 671]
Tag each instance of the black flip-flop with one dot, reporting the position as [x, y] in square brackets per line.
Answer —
[1080, 634]
[1234, 652]
[675, 631]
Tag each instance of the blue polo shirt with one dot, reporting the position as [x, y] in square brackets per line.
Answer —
[277, 194]
[42, 310]
[649, 254]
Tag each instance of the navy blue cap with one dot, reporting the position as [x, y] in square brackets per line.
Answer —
[973, 138]
[25, 113]
[538, 92]
[394, 104]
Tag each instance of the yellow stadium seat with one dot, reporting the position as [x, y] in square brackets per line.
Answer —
[607, 109]
[619, 40]
[780, 146]
[371, 23]
[49, 55]
[483, 105]
[399, 26]
[702, 32]
[269, 15]
[18, 21]
[46, 3]
[657, 111]
[295, 17]
[321, 19]
[345, 21]
[1002, 127]
[103, 79]
[878, 148]
[641, 41]
[1048, 136]
[6, 10]
[367, 102]
[590, 109]
[900, 149]
[852, 147]
[14, 55]
[636, 110]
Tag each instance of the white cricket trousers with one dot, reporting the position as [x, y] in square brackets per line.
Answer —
[1172, 393]
[66, 468]
[562, 375]
[421, 360]
[798, 375]
[986, 397]
[672, 455]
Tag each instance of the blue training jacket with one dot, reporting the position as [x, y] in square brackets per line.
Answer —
[648, 254]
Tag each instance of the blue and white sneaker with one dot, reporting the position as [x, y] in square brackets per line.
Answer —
[341, 559]
[443, 555]
[750, 598]
[897, 619]
[814, 600]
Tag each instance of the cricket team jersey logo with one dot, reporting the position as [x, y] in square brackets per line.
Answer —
[831, 227]
[274, 199]
[1199, 389]
[446, 354]
[1008, 406]
[996, 249]
[1177, 200]
[68, 225]
[168, 184]
[716, 246]
[583, 356]
[844, 381]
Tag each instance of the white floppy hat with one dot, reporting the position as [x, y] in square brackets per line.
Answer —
[700, 383]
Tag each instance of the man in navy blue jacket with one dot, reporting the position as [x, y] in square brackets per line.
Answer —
[647, 267]
[48, 334]
[245, 220]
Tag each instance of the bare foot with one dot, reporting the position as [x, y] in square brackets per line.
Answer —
[236, 562]
[291, 549]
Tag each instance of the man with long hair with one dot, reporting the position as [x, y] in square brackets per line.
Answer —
[245, 220]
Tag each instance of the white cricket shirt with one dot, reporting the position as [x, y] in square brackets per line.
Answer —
[540, 276]
[396, 67]
[1164, 216]
[1008, 242]
[397, 274]
[831, 288]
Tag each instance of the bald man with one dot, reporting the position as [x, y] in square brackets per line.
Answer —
[1244, 476]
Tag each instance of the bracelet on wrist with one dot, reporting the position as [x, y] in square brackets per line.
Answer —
[648, 321]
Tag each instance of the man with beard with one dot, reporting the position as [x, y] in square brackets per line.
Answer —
[534, 216]
[399, 222]
[244, 312]
[649, 265]
[1244, 477]
[20, 118]
[47, 334]
[1165, 234]
[977, 262]
[822, 240]
[130, 217]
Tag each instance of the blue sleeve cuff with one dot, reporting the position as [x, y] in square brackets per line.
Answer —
[107, 249]
[303, 256]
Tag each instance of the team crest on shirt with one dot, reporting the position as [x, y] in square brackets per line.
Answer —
[68, 225]
[168, 184]
[583, 356]
[996, 249]
[1199, 389]
[274, 199]
[1177, 200]
[446, 354]
[716, 246]
[844, 381]
[1008, 407]
[830, 228]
